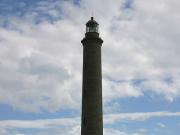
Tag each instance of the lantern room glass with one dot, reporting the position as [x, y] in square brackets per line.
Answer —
[92, 28]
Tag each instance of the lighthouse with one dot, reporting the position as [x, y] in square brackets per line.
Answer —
[92, 114]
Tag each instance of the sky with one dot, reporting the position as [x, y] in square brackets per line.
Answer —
[41, 66]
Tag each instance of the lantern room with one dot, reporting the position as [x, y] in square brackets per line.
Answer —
[92, 26]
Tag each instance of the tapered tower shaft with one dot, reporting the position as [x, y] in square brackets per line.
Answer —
[92, 115]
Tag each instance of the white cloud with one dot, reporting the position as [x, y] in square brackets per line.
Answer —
[118, 132]
[34, 72]
[113, 118]
[161, 125]
[114, 90]
[142, 130]
[169, 88]
[44, 123]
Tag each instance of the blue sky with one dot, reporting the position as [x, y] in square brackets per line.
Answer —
[41, 66]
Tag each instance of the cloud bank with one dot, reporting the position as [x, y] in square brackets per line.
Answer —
[41, 53]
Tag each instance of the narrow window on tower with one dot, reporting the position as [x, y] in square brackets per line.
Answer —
[84, 122]
[84, 92]
[85, 66]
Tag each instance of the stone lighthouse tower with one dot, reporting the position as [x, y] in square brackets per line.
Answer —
[92, 115]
